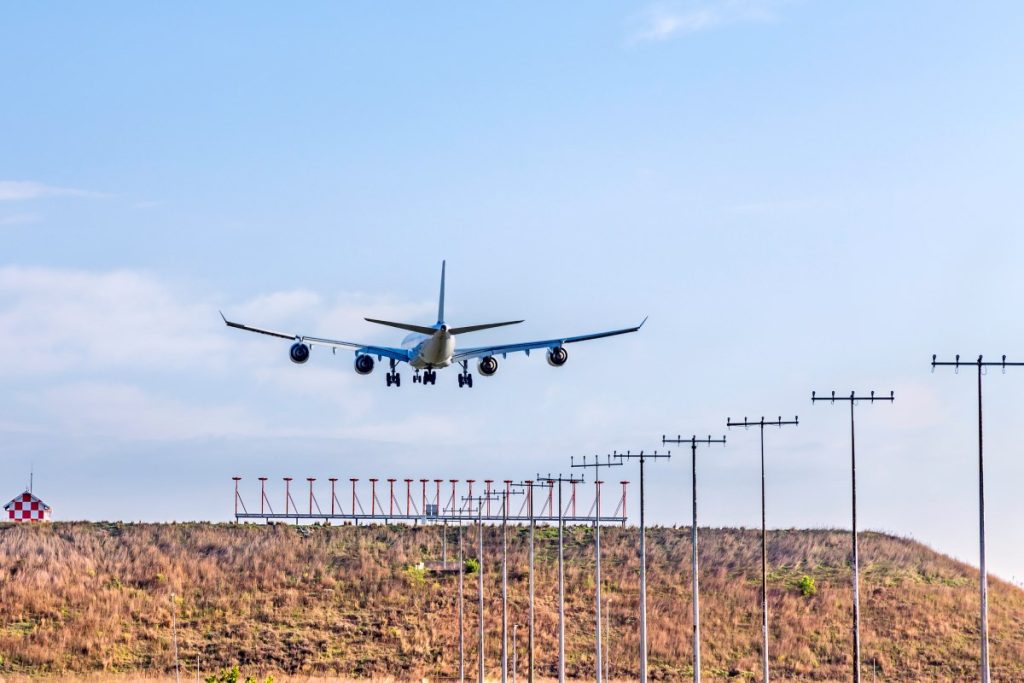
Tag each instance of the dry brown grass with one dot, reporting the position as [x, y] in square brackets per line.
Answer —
[93, 600]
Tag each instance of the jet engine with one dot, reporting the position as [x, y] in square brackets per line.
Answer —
[364, 364]
[557, 357]
[487, 366]
[299, 353]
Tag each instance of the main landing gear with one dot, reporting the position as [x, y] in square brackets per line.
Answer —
[393, 377]
[465, 379]
[428, 377]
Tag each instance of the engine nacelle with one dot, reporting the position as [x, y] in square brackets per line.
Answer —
[557, 356]
[487, 366]
[299, 353]
[364, 364]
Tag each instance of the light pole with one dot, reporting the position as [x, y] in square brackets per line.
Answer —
[462, 640]
[561, 569]
[983, 572]
[528, 485]
[504, 577]
[694, 441]
[764, 535]
[480, 500]
[597, 465]
[855, 560]
[642, 457]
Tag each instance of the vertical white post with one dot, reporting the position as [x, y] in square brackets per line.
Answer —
[561, 592]
[696, 581]
[643, 580]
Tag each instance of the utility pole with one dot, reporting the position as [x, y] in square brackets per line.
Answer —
[694, 441]
[597, 465]
[853, 398]
[983, 578]
[642, 457]
[561, 570]
[764, 534]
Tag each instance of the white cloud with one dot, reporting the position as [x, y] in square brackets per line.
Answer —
[126, 355]
[70, 320]
[664, 21]
[129, 412]
[23, 190]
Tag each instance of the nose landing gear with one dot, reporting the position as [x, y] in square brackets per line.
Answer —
[428, 377]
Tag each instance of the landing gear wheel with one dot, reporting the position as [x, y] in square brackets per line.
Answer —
[431, 377]
[417, 378]
[469, 380]
[462, 381]
[398, 380]
[387, 379]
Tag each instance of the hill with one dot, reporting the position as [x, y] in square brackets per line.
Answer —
[95, 598]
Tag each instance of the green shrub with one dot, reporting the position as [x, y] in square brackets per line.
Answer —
[416, 573]
[806, 586]
[225, 676]
[472, 565]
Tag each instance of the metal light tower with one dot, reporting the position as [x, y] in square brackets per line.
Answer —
[642, 457]
[764, 534]
[983, 578]
[853, 398]
[597, 465]
[694, 441]
[561, 570]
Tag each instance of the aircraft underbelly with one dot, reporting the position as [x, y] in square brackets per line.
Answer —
[434, 353]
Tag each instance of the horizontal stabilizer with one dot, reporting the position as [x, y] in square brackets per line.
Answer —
[404, 326]
[477, 328]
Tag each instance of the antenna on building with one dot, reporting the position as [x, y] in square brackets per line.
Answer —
[31, 475]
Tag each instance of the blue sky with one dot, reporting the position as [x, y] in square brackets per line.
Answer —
[801, 195]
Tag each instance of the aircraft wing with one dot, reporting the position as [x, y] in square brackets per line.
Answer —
[384, 351]
[504, 349]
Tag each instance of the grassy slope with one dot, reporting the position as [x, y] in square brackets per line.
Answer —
[81, 598]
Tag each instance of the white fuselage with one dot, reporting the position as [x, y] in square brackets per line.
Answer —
[434, 351]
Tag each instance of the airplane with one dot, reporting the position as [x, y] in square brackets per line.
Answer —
[430, 347]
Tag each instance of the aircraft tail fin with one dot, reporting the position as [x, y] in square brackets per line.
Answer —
[477, 328]
[440, 299]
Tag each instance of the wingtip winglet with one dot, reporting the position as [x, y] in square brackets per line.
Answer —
[642, 322]
[222, 317]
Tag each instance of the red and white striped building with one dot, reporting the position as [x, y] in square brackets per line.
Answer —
[27, 508]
